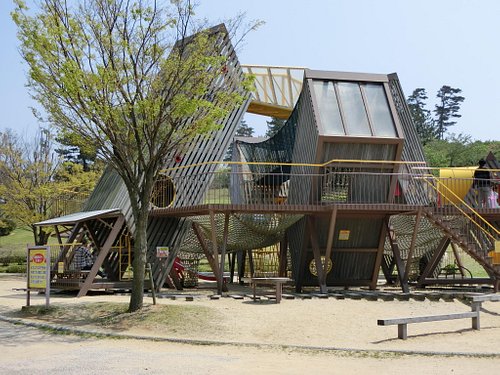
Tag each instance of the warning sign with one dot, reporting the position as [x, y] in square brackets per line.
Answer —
[344, 234]
[37, 268]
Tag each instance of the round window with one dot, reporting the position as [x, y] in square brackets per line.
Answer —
[163, 192]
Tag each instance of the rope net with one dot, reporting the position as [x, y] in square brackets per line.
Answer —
[245, 231]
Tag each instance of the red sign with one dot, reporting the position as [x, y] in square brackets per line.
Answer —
[38, 258]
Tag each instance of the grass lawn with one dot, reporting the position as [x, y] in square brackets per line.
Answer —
[15, 243]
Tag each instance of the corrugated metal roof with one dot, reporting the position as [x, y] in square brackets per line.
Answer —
[78, 217]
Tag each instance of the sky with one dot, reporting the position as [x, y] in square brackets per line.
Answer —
[428, 43]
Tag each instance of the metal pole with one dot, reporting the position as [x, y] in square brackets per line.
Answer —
[47, 280]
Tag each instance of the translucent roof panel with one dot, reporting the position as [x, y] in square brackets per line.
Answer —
[355, 118]
[353, 109]
[329, 112]
[378, 107]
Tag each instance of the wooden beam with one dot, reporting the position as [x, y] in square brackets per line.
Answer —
[412, 245]
[329, 243]
[434, 261]
[458, 259]
[380, 254]
[387, 269]
[397, 259]
[250, 262]
[299, 277]
[317, 255]
[64, 251]
[117, 226]
[204, 246]
[223, 250]
[283, 259]
[215, 252]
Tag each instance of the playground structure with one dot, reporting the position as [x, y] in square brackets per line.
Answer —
[341, 191]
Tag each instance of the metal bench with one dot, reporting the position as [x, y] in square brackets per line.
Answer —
[402, 323]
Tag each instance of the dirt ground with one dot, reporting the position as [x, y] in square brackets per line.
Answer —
[311, 329]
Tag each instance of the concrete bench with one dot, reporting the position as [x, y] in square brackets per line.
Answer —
[476, 302]
[403, 322]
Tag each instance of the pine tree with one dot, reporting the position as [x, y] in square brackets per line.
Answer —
[421, 116]
[447, 109]
[274, 126]
[243, 130]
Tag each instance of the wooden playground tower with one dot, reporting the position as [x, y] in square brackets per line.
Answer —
[342, 187]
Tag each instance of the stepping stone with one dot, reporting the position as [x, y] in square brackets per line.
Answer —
[320, 295]
[353, 295]
[402, 296]
[418, 296]
[189, 298]
[236, 296]
[386, 296]
[370, 297]
[304, 295]
[448, 297]
[433, 297]
[215, 296]
[288, 296]
[337, 295]
[257, 297]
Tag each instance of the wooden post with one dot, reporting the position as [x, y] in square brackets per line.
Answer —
[403, 331]
[152, 282]
[223, 250]
[458, 259]
[283, 260]
[117, 226]
[241, 266]
[215, 252]
[476, 307]
[380, 254]
[412, 246]
[250, 262]
[329, 244]
[398, 260]
[434, 261]
[210, 256]
[317, 255]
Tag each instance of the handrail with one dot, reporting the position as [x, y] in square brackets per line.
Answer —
[425, 178]
[316, 165]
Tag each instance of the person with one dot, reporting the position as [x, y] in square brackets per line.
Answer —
[482, 184]
[83, 259]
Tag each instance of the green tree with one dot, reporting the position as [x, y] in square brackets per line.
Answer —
[421, 115]
[274, 125]
[29, 186]
[243, 130]
[447, 109]
[71, 151]
[6, 225]
[112, 73]
[458, 151]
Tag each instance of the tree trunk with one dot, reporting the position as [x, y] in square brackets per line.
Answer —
[40, 236]
[140, 252]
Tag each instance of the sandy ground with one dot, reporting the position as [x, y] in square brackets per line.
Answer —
[318, 323]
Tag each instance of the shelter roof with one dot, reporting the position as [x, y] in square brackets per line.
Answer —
[79, 217]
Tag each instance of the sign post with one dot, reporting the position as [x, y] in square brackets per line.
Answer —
[38, 261]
